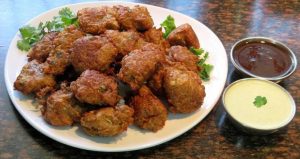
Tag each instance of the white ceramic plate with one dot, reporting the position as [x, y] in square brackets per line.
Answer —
[134, 138]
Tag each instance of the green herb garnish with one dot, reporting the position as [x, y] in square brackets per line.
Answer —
[260, 101]
[169, 25]
[205, 68]
[65, 18]
[197, 52]
[205, 72]
[30, 35]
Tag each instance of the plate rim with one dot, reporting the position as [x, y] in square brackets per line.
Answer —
[105, 149]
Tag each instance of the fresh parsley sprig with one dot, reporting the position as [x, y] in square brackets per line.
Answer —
[169, 25]
[30, 35]
[259, 101]
[205, 68]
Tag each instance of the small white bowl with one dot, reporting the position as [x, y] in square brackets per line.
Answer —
[238, 100]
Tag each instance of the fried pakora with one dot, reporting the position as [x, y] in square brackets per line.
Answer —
[184, 56]
[92, 52]
[149, 111]
[41, 50]
[137, 19]
[62, 108]
[98, 19]
[155, 36]
[139, 65]
[93, 87]
[108, 121]
[184, 35]
[141, 18]
[126, 41]
[59, 58]
[32, 79]
[184, 89]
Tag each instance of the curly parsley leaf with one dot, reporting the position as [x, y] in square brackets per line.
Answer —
[195, 51]
[205, 68]
[30, 35]
[259, 101]
[205, 72]
[23, 45]
[203, 59]
[169, 25]
[65, 18]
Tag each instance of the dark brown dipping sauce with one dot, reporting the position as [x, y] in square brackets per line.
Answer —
[264, 59]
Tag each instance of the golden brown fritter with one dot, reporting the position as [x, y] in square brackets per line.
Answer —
[156, 80]
[149, 112]
[92, 52]
[32, 79]
[138, 66]
[142, 19]
[57, 62]
[155, 36]
[59, 58]
[184, 89]
[66, 37]
[95, 88]
[62, 109]
[41, 50]
[124, 17]
[107, 121]
[126, 41]
[137, 18]
[184, 56]
[184, 35]
[98, 19]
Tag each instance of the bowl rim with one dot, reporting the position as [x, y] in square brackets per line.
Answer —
[290, 117]
[278, 78]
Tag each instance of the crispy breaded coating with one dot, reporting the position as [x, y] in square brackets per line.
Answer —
[184, 89]
[149, 111]
[138, 66]
[92, 52]
[98, 19]
[32, 79]
[95, 88]
[184, 35]
[57, 62]
[62, 108]
[124, 17]
[108, 121]
[66, 37]
[138, 18]
[142, 19]
[156, 80]
[184, 56]
[126, 41]
[41, 50]
[155, 36]
[59, 58]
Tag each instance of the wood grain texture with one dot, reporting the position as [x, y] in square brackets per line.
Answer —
[214, 137]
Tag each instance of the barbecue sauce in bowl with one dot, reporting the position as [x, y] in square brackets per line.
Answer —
[262, 58]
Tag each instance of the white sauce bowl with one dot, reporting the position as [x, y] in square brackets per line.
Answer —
[238, 100]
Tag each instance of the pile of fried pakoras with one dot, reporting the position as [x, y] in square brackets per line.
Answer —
[77, 72]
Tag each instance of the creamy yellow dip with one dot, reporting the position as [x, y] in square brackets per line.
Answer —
[239, 98]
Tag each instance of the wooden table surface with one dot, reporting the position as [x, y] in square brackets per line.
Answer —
[214, 137]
